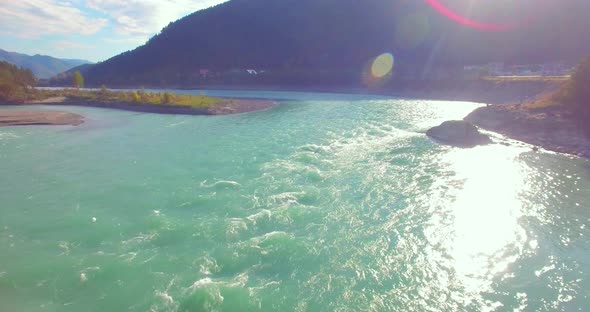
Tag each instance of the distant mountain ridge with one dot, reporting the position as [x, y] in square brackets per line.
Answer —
[331, 41]
[43, 66]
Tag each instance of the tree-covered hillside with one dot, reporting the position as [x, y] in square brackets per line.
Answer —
[318, 41]
[42, 66]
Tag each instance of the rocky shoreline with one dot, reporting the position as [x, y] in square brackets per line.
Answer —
[549, 128]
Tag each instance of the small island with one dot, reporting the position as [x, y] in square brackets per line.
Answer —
[151, 102]
[16, 88]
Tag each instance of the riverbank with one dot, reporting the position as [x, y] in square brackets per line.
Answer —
[224, 107]
[481, 90]
[10, 117]
[551, 128]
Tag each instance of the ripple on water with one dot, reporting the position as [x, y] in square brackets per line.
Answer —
[338, 206]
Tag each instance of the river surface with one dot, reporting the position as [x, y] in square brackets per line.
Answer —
[327, 202]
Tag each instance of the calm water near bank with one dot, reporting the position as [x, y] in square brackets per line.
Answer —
[325, 203]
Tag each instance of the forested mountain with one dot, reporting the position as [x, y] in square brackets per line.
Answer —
[43, 66]
[317, 41]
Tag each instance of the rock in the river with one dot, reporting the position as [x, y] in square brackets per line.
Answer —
[458, 133]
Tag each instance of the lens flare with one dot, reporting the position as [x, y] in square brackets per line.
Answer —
[382, 65]
[378, 71]
[463, 20]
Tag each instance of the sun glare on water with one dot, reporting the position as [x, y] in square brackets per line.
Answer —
[487, 236]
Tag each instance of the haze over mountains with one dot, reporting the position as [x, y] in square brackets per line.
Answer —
[42, 66]
[333, 40]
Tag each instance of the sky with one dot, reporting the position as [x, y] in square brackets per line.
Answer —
[93, 30]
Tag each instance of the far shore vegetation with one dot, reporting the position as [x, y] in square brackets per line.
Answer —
[17, 86]
[140, 97]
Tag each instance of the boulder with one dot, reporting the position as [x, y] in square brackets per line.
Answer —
[458, 133]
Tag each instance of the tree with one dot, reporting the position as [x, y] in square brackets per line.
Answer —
[167, 98]
[15, 83]
[576, 94]
[580, 84]
[580, 93]
[78, 80]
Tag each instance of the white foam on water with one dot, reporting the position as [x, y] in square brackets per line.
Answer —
[65, 246]
[164, 297]
[235, 226]
[207, 265]
[314, 148]
[286, 198]
[140, 238]
[240, 280]
[221, 184]
[259, 239]
[200, 283]
[8, 135]
[172, 125]
[84, 273]
[264, 213]
[128, 257]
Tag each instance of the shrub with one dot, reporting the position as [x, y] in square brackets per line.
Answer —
[103, 93]
[167, 98]
[135, 97]
[144, 96]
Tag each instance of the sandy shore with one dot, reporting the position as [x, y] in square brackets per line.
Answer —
[549, 128]
[9, 117]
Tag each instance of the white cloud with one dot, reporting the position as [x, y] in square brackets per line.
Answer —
[35, 18]
[69, 45]
[127, 40]
[143, 18]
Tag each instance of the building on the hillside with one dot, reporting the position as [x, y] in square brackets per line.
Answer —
[204, 72]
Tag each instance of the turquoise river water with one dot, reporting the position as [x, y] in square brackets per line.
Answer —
[325, 203]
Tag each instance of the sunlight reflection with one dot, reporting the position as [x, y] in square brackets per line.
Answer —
[487, 235]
